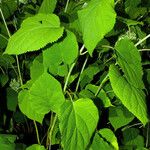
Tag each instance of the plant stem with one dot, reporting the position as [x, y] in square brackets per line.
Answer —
[67, 79]
[81, 49]
[101, 85]
[4, 37]
[83, 67]
[2, 70]
[143, 50]
[8, 32]
[5, 23]
[142, 40]
[37, 133]
[19, 72]
[66, 7]
[130, 126]
[51, 130]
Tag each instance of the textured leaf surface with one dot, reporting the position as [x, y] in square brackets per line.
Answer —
[36, 147]
[119, 116]
[132, 98]
[130, 61]
[104, 139]
[60, 54]
[7, 142]
[48, 6]
[110, 137]
[78, 121]
[132, 138]
[97, 19]
[44, 95]
[35, 33]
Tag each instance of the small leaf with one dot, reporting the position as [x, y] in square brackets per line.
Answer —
[78, 121]
[131, 137]
[44, 95]
[104, 139]
[131, 97]
[97, 19]
[35, 33]
[47, 6]
[119, 116]
[36, 147]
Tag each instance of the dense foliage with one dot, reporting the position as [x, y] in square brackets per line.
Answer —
[74, 74]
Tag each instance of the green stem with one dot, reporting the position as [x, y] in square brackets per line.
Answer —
[5, 22]
[83, 67]
[67, 79]
[19, 72]
[143, 50]
[101, 85]
[66, 7]
[4, 37]
[37, 133]
[2, 70]
[51, 130]
[8, 32]
[142, 40]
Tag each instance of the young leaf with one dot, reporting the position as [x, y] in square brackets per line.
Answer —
[78, 121]
[131, 97]
[48, 6]
[105, 139]
[119, 116]
[97, 19]
[130, 62]
[44, 95]
[35, 33]
[36, 147]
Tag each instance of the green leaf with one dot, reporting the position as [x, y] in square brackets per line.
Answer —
[110, 137]
[78, 121]
[104, 139]
[131, 137]
[7, 142]
[97, 19]
[12, 99]
[44, 95]
[130, 62]
[98, 143]
[119, 116]
[35, 33]
[37, 69]
[8, 7]
[48, 6]
[36, 147]
[3, 79]
[131, 97]
[61, 54]
[90, 91]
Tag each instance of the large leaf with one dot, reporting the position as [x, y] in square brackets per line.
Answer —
[97, 19]
[36, 147]
[130, 62]
[44, 95]
[104, 139]
[78, 121]
[48, 6]
[61, 54]
[131, 97]
[35, 33]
